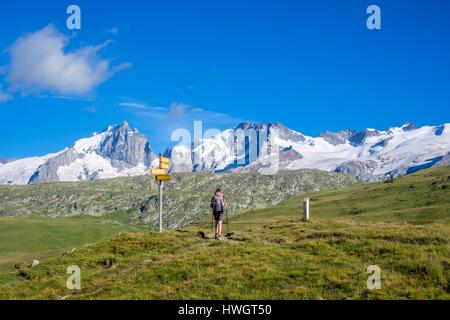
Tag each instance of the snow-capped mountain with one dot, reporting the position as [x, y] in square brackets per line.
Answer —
[117, 151]
[234, 149]
[368, 155]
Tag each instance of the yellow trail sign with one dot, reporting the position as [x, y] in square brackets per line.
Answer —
[157, 172]
[164, 166]
[164, 160]
[163, 178]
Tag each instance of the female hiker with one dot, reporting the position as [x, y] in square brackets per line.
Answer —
[218, 206]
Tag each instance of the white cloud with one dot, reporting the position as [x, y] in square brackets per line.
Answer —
[133, 105]
[136, 105]
[70, 98]
[4, 96]
[40, 64]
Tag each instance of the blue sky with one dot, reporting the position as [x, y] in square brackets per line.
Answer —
[312, 65]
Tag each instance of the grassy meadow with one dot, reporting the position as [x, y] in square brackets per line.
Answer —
[421, 198]
[37, 237]
[402, 226]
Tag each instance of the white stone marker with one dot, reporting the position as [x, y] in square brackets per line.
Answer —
[306, 209]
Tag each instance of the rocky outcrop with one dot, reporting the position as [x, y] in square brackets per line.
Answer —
[48, 172]
[337, 138]
[440, 130]
[409, 127]
[282, 161]
[187, 196]
[355, 138]
[361, 170]
[359, 138]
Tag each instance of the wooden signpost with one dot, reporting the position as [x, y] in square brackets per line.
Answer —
[161, 175]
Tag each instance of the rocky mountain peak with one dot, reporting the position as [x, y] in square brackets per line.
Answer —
[126, 147]
[259, 125]
[119, 150]
[409, 126]
[337, 138]
[359, 137]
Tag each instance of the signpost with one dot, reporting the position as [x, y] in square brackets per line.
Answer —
[161, 175]
[159, 172]
[164, 163]
[161, 187]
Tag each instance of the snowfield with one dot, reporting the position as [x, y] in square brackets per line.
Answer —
[404, 149]
[368, 155]
[118, 151]
[19, 171]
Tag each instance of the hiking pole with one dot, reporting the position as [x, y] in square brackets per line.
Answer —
[228, 221]
[212, 224]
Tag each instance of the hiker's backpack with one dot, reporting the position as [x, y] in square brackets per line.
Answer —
[217, 203]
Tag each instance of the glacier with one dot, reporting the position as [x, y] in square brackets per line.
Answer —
[368, 155]
[118, 151]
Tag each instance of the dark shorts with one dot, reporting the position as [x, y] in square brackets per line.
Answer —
[218, 216]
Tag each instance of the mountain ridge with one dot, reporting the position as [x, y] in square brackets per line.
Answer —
[368, 155]
[117, 151]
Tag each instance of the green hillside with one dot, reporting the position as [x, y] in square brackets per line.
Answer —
[420, 198]
[187, 196]
[28, 238]
[400, 226]
[40, 221]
